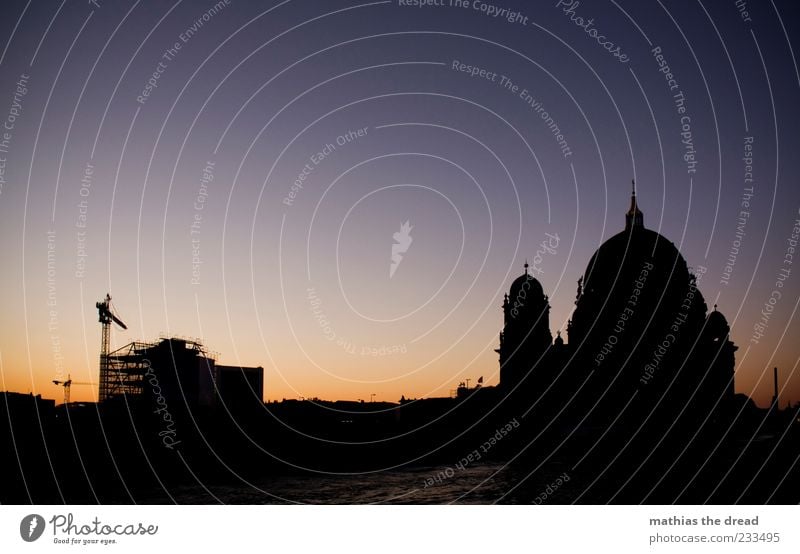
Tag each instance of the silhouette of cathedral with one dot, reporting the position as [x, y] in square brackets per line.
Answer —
[639, 337]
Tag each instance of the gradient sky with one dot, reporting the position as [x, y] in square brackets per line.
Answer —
[304, 289]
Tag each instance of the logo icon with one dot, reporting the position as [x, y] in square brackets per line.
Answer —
[31, 527]
[402, 240]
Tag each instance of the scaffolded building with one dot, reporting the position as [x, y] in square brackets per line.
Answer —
[179, 364]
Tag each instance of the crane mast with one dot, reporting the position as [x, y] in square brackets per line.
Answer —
[106, 317]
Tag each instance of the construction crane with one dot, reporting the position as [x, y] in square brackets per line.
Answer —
[67, 385]
[106, 316]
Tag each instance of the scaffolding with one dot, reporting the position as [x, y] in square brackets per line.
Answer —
[124, 369]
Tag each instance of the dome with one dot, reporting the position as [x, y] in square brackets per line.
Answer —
[636, 279]
[716, 325]
[716, 319]
[622, 258]
[525, 286]
[628, 252]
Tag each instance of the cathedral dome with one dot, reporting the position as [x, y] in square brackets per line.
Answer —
[525, 285]
[526, 296]
[628, 252]
[717, 320]
[716, 325]
[631, 250]
[636, 279]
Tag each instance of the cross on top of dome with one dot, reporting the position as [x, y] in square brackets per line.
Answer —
[634, 217]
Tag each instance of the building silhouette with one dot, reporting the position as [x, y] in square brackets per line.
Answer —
[185, 374]
[640, 334]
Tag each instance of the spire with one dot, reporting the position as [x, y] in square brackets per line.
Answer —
[526, 266]
[634, 217]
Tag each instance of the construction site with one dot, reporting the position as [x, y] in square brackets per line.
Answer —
[179, 370]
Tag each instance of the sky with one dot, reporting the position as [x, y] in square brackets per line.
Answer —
[238, 172]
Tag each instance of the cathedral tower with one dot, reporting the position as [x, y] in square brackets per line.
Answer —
[526, 329]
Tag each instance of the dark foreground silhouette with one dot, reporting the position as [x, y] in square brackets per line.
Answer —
[117, 453]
